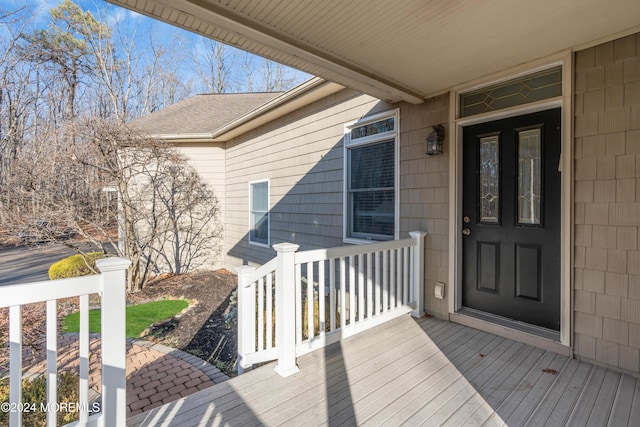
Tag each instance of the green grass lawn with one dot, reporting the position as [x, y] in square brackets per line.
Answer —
[139, 317]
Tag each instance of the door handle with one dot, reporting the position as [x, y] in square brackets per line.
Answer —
[466, 231]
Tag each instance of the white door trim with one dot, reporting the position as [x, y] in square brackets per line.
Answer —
[455, 181]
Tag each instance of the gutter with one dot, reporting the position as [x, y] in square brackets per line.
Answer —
[182, 137]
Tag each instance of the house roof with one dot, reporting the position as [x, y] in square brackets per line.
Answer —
[220, 117]
[408, 50]
[196, 118]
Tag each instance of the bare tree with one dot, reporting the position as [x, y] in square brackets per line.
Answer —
[247, 65]
[66, 47]
[15, 99]
[168, 218]
[276, 77]
[165, 83]
[215, 63]
[186, 210]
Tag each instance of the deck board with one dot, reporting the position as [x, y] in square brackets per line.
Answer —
[621, 410]
[584, 406]
[416, 372]
[554, 397]
[634, 418]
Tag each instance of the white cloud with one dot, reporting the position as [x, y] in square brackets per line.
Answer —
[115, 16]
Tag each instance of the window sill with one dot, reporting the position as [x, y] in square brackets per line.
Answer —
[261, 245]
[354, 241]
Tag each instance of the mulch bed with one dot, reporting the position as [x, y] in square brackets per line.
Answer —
[201, 330]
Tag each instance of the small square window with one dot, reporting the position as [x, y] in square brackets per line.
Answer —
[259, 221]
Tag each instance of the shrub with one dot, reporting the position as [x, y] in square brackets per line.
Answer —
[316, 315]
[75, 266]
[34, 394]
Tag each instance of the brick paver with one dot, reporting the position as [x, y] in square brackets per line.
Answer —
[156, 374]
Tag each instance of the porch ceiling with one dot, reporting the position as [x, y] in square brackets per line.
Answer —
[400, 50]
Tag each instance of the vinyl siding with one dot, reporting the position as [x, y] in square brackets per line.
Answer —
[424, 186]
[209, 160]
[301, 154]
[607, 204]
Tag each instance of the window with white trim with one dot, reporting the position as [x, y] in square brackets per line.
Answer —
[259, 218]
[371, 178]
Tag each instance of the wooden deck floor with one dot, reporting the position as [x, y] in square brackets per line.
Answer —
[416, 372]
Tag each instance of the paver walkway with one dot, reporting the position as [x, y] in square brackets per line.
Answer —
[156, 374]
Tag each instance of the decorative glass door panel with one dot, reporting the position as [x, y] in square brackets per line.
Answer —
[511, 218]
[529, 176]
[490, 179]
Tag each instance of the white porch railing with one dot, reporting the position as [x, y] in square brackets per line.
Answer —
[110, 284]
[302, 301]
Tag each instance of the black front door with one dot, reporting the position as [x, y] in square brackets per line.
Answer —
[511, 218]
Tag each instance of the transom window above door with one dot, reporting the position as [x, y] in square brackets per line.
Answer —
[371, 178]
[538, 86]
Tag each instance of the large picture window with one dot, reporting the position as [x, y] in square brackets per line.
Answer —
[371, 178]
[259, 212]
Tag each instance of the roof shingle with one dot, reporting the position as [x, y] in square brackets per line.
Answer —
[201, 114]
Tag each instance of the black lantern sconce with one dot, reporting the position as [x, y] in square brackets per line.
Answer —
[435, 140]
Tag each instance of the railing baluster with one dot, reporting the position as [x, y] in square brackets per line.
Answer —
[15, 355]
[352, 291]
[310, 301]
[83, 352]
[392, 279]
[298, 312]
[360, 292]
[322, 321]
[261, 308]
[52, 359]
[412, 279]
[369, 287]
[269, 324]
[418, 273]
[332, 294]
[385, 281]
[398, 263]
[343, 292]
[377, 306]
[405, 279]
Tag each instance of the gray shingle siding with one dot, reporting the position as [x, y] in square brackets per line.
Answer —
[301, 155]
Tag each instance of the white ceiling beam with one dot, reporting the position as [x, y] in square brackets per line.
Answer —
[230, 21]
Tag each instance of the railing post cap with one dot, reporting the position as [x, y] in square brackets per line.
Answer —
[244, 269]
[416, 234]
[112, 264]
[286, 247]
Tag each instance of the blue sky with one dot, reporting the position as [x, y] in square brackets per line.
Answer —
[128, 22]
[115, 15]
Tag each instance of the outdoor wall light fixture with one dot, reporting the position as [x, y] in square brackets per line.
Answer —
[434, 141]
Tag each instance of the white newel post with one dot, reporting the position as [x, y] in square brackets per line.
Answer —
[286, 309]
[246, 313]
[114, 350]
[418, 272]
